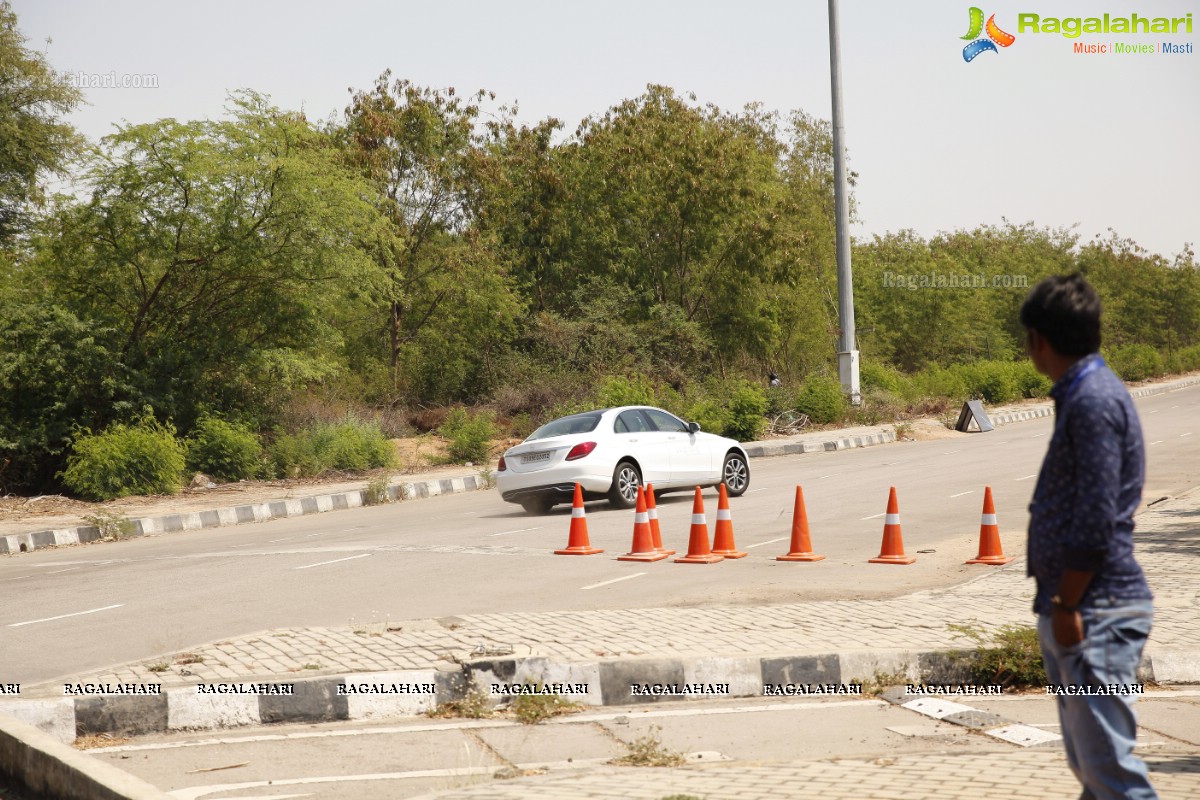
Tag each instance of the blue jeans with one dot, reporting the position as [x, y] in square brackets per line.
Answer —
[1099, 731]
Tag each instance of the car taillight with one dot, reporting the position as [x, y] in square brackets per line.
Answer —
[501, 466]
[580, 450]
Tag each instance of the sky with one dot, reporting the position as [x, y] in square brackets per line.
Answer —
[1030, 132]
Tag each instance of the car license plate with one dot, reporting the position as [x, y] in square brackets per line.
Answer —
[533, 458]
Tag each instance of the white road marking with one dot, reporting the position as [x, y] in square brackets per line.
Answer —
[518, 530]
[824, 476]
[1189, 433]
[284, 539]
[251, 544]
[1027, 477]
[311, 535]
[69, 569]
[614, 580]
[960, 494]
[1160, 441]
[336, 560]
[772, 541]
[1155, 411]
[64, 616]
[951, 452]
[760, 489]
[1038, 435]
[1174, 406]
[875, 516]
[18, 578]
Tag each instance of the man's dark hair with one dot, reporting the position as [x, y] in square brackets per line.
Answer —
[1066, 310]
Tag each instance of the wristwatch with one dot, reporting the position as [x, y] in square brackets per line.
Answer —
[1058, 603]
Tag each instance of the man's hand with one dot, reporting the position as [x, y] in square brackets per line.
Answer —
[1067, 626]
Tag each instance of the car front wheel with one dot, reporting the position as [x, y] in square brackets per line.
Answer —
[626, 480]
[735, 474]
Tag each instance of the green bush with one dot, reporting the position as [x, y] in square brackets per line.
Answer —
[822, 399]
[352, 445]
[747, 405]
[1010, 656]
[224, 450]
[994, 381]
[885, 378]
[1188, 359]
[712, 416]
[122, 460]
[1135, 362]
[470, 435]
[626, 392]
[938, 381]
[1031, 382]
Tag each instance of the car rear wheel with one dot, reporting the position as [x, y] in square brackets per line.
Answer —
[626, 480]
[536, 505]
[735, 474]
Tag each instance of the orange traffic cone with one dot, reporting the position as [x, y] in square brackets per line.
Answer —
[652, 512]
[578, 543]
[723, 535]
[801, 549]
[892, 551]
[990, 551]
[643, 540]
[698, 552]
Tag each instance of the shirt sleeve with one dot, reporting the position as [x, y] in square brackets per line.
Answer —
[1095, 428]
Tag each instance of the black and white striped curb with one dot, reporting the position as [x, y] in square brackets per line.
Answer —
[612, 682]
[769, 449]
[237, 515]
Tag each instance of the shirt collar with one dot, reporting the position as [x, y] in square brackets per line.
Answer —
[1068, 377]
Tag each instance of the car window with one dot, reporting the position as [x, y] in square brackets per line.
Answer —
[667, 423]
[576, 423]
[631, 421]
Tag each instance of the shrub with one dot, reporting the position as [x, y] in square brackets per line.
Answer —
[626, 392]
[994, 381]
[883, 377]
[712, 416]
[225, 450]
[351, 445]
[1010, 656]
[122, 460]
[1031, 382]
[941, 382]
[1135, 362]
[747, 405]
[1188, 359]
[822, 399]
[470, 435]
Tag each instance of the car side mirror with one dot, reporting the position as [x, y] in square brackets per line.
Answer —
[693, 427]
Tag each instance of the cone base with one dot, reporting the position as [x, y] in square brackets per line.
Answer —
[642, 557]
[664, 551]
[730, 553]
[711, 559]
[800, 557]
[579, 551]
[995, 561]
[893, 560]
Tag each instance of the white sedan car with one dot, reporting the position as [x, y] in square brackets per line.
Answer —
[610, 452]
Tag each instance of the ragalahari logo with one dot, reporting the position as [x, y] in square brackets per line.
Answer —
[995, 36]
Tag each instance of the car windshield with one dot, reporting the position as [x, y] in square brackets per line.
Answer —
[577, 423]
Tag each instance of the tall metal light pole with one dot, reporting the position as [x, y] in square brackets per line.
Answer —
[847, 345]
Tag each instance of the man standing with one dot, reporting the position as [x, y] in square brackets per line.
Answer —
[1093, 603]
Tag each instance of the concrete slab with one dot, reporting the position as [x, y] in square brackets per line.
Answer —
[535, 744]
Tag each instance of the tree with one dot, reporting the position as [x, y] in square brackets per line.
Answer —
[34, 141]
[210, 249]
[415, 146]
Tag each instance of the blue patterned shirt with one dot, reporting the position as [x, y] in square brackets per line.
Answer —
[1081, 517]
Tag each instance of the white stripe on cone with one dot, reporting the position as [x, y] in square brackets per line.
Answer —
[891, 519]
[652, 513]
[989, 519]
[698, 519]
[577, 512]
[723, 514]
[641, 517]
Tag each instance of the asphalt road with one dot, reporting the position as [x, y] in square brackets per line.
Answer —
[74, 609]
